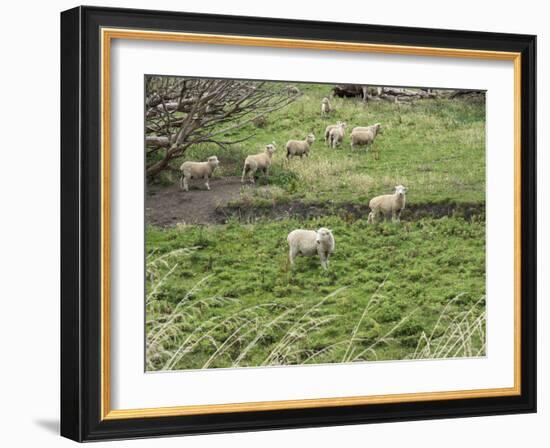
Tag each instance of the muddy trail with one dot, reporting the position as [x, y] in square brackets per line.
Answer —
[168, 206]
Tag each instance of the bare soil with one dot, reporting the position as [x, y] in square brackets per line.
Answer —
[168, 206]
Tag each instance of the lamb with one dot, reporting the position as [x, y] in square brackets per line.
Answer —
[330, 127]
[299, 147]
[292, 90]
[309, 243]
[336, 135]
[198, 170]
[257, 162]
[364, 136]
[388, 204]
[325, 107]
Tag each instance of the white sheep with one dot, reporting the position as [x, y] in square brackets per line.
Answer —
[329, 128]
[326, 108]
[292, 90]
[336, 135]
[388, 205]
[198, 170]
[261, 161]
[299, 147]
[364, 136]
[309, 243]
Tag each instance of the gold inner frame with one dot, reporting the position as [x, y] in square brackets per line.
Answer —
[107, 35]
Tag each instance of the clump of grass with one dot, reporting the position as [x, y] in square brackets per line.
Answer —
[455, 334]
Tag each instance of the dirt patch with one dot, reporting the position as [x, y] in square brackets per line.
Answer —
[168, 206]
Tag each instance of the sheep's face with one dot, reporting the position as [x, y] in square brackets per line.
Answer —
[400, 189]
[271, 148]
[323, 234]
[213, 161]
[377, 128]
[310, 139]
[325, 100]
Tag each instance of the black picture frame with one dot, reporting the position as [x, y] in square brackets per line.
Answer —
[81, 224]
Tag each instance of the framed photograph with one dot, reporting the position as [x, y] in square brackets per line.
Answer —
[276, 224]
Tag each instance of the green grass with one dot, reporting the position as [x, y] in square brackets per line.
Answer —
[225, 295]
[407, 274]
[435, 147]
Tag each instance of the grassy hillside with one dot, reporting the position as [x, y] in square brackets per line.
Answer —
[413, 270]
[225, 295]
[434, 147]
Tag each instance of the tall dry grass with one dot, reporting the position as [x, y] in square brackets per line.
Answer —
[455, 335]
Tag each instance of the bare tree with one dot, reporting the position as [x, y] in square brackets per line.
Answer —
[181, 112]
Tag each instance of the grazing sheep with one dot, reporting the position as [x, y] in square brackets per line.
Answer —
[364, 136]
[362, 128]
[309, 243]
[299, 147]
[292, 90]
[259, 121]
[198, 170]
[388, 205]
[330, 127]
[349, 90]
[257, 162]
[336, 135]
[326, 108]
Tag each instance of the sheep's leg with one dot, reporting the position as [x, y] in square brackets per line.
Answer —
[206, 184]
[396, 215]
[244, 174]
[373, 217]
[292, 255]
[181, 181]
[251, 174]
[324, 261]
[370, 219]
[185, 184]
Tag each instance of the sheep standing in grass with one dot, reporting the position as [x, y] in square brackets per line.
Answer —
[198, 170]
[388, 205]
[257, 162]
[329, 128]
[309, 243]
[326, 108]
[292, 90]
[299, 147]
[364, 136]
[336, 135]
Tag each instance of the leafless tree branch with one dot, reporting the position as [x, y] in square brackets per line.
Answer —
[181, 112]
